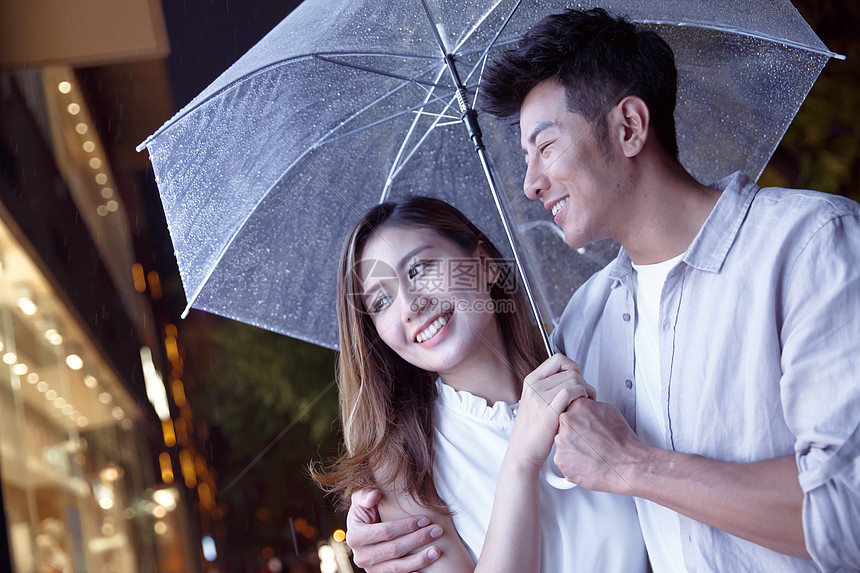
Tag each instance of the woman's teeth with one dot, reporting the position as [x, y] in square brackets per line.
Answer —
[431, 330]
[557, 207]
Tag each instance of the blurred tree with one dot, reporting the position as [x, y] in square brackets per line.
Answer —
[821, 149]
[273, 403]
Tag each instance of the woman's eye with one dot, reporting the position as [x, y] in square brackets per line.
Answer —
[417, 269]
[379, 303]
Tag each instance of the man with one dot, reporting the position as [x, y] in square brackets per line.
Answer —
[725, 338]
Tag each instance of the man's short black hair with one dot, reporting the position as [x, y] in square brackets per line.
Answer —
[599, 59]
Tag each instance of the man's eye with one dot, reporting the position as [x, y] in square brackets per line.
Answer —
[544, 147]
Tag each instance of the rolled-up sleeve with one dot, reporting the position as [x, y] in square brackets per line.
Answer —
[820, 388]
[831, 506]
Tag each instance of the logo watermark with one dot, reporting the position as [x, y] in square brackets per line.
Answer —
[463, 305]
[450, 284]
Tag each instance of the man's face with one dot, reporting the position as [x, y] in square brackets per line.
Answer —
[568, 169]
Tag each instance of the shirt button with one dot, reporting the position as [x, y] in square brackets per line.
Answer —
[629, 384]
[626, 316]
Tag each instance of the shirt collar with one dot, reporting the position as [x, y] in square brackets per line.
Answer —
[709, 249]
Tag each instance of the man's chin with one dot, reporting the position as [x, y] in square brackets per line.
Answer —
[576, 241]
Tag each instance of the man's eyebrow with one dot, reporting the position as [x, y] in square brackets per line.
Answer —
[539, 128]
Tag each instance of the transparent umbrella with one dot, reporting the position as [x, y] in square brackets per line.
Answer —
[348, 103]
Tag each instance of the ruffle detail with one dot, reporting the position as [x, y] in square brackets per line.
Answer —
[468, 404]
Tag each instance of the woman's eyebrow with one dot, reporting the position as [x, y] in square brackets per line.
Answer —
[412, 253]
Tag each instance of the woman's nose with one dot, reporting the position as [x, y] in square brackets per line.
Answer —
[414, 302]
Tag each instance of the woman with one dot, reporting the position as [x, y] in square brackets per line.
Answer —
[435, 346]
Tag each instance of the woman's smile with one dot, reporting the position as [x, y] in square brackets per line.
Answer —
[434, 330]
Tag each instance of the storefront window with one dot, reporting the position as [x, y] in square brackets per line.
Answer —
[74, 472]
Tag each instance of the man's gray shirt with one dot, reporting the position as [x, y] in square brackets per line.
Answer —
[759, 357]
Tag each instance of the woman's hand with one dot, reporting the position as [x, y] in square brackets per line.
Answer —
[547, 392]
[513, 538]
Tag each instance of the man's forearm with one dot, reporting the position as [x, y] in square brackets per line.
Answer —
[758, 501]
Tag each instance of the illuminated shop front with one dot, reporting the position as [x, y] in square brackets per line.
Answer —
[74, 474]
[81, 476]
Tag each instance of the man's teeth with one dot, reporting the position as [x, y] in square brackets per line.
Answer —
[431, 330]
[557, 207]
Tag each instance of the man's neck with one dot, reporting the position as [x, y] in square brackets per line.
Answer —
[668, 209]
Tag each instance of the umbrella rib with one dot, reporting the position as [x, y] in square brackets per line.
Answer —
[435, 28]
[239, 227]
[482, 61]
[391, 173]
[483, 50]
[375, 123]
[375, 54]
[477, 25]
[454, 122]
[184, 111]
[744, 32]
[480, 76]
[379, 72]
[439, 115]
[323, 140]
[433, 126]
[729, 29]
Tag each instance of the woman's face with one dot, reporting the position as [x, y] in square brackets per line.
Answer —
[428, 298]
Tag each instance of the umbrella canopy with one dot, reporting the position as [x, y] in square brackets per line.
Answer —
[348, 103]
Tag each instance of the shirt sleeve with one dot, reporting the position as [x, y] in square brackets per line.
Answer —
[820, 388]
[556, 341]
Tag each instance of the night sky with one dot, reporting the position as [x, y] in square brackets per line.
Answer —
[207, 36]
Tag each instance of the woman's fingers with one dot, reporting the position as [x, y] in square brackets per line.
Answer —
[558, 379]
[566, 396]
[555, 363]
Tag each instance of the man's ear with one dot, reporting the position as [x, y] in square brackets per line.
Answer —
[630, 121]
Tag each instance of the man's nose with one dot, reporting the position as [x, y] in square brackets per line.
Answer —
[535, 182]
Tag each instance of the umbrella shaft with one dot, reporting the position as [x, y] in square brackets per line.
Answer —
[517, 259]
[470, 120]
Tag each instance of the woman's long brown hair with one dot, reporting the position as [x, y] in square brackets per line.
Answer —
[386, 404]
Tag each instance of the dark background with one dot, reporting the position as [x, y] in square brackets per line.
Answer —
[250, 385]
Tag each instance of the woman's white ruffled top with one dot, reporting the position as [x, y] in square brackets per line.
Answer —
[581, 530]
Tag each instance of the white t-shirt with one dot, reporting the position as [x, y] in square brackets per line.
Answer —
[660, 526]
[581, 530]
